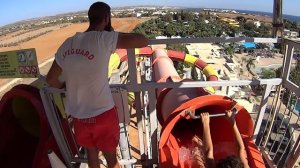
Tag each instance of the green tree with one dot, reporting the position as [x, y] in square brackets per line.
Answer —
[187, 16]
[249, 33]
[278, 72]
[264, 30]
[268, 73]
[191, 28]
[139, 29]
[241, 19]
[177, 47]
[170, 30]
[175, 16]
[249, 26]
[229, 50]
[291, 25]
[168, 17]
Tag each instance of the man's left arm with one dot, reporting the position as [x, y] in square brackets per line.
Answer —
[53, 76]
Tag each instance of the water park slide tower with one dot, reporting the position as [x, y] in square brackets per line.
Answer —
[178, 126]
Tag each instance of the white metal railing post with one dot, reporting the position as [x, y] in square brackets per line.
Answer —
[153, 125]
[151, 112]
[124, 146]
[287, 63]
[263, 105]
[146, 122]
[139, 114]
[55, 127]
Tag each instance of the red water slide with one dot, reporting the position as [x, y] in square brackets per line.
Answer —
[176, 148]
[25, 133]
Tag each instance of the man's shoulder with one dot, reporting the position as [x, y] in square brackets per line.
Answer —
[66, 42]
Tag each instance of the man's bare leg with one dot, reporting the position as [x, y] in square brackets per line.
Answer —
[93, 158]
[111, 159]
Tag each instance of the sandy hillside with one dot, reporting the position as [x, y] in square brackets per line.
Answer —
[23, 34]
[46, 45]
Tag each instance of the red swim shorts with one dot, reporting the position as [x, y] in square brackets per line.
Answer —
[102, 131]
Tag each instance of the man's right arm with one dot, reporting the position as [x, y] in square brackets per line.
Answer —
[53, 76]
[131, 40]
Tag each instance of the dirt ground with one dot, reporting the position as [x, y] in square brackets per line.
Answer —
[23, 34]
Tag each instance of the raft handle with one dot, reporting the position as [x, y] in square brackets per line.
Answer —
[191, 113]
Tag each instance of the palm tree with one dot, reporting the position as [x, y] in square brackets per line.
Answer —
[250, 64]
[229, 50]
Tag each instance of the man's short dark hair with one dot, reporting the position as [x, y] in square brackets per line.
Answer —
[230, 162]
[98, 12]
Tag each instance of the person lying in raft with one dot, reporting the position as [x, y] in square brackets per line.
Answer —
[231, 161]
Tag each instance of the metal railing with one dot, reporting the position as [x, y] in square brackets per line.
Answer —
[146, 117]
[279, 133]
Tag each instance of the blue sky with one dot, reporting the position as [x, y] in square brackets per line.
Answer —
[16, 10]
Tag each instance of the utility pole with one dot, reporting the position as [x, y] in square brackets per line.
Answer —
[277, 19]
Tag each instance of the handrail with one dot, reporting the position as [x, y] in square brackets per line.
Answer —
[214, 40]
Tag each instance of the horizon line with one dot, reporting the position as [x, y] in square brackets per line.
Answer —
[15, 22]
